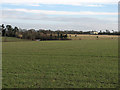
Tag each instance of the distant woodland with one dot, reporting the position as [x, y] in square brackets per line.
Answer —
[41, 34]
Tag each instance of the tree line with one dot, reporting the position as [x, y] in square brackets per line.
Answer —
[41, 34]
[32, 34]
[105, 32]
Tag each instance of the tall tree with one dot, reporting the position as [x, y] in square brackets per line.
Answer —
[9, 31]
[15, 32]
[3, 30]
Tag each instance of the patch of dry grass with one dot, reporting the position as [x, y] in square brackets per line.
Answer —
[91, 37]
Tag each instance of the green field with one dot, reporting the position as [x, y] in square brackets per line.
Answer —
[60, 64]
[12, 39]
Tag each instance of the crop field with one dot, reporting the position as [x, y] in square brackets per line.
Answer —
[60, 64]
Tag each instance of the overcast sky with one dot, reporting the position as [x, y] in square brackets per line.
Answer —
[61, 14]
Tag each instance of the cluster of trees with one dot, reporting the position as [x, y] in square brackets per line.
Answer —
[107, 32]
[9, 31]
[32, 34]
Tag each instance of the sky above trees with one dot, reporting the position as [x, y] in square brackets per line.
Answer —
[61, 14]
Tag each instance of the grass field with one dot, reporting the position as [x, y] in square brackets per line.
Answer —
[12, 39]
[60, 64]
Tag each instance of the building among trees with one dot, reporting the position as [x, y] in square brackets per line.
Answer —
[94, 33]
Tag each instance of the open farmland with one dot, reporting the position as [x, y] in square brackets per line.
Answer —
[60, 64]
[92, 37]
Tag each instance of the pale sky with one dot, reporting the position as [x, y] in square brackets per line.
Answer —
[61, 14]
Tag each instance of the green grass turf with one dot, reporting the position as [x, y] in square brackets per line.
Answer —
[12, 39]
[60, 64]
